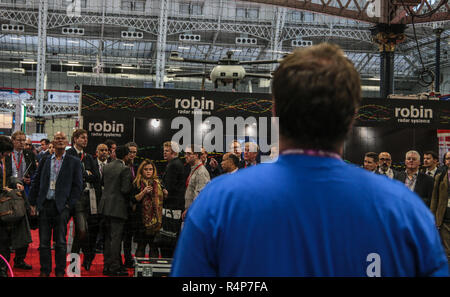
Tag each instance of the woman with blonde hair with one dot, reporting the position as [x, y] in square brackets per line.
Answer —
[148, 199]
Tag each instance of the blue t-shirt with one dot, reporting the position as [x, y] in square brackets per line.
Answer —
[308, 216]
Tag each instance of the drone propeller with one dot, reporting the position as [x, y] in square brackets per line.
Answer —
[258, 75]
[192, 74]
[260, 62]
[175, 56]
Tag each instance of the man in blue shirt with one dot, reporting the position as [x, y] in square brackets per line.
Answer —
[310, 213]
[56, 188]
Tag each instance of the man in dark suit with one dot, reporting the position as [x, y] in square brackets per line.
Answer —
[416, 181]
[130, 224]
[55, 190]
[430, 163]
[174, 182]
[44, 148]
[86, 219]
[236, 149]
[21, 165]
[100, 162]
[384, 165]
[114, 208]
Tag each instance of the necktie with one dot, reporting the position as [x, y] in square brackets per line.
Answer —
[19, 170]
[79, 155]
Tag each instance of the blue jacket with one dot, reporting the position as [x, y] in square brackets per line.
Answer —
[69, 184]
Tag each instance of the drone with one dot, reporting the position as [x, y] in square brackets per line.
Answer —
[228, 70]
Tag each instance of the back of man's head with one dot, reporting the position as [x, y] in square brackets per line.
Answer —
[317, 92]
[6, 145]
[122, 151]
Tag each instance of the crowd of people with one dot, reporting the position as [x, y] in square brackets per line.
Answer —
[430, 182]
[114, 198]
[307, 214]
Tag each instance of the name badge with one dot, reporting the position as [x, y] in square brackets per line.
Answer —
[52, 185]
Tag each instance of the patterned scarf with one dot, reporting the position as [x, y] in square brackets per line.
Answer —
[152, 207]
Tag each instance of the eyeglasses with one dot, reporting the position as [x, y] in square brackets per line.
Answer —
[383, 159]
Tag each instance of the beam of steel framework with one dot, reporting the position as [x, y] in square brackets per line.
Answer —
[358, 12]
[161, 44]
[42, 48]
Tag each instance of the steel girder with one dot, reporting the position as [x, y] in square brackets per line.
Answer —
[150, 24]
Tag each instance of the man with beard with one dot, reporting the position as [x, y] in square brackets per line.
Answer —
[384, 165]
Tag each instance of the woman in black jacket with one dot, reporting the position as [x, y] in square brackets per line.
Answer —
[147, 197]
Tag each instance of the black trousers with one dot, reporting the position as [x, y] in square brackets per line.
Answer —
[5, 244]
[86, 229]
[128, 234]
[113, 239]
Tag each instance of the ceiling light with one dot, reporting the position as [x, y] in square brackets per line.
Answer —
[128, 44]
[28, 61]
[155, 123]
[16, 38]
[71, 41]
[184, 47]
[370, 88]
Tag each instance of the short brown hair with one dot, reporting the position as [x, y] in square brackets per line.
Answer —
[316, 92]
[78, 132]
[17, 133]
[372, 155]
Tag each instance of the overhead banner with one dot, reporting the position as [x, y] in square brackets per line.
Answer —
[113, 112]
[63, 97]
[404, 113]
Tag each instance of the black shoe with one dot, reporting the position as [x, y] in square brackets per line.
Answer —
[87, 265]
[106, 272]
[129, 264]
[43, 274]
[118, 273]
[23, 265]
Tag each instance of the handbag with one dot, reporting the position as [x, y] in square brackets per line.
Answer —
[12, 207]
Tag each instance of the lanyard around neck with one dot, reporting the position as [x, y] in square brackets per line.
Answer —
[310, 152]
[192, 173]
[15, 161]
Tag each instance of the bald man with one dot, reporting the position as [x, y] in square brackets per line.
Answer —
[56, 187]
[384, 165]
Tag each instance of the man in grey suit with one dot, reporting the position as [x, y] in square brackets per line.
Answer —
[113, 206]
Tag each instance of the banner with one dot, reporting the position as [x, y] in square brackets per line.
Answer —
[63, 97]
[404, 113]
[146, 116]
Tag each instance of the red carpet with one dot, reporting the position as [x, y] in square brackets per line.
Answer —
[33, 259]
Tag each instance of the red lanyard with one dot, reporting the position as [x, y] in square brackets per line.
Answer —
[82, 157]
[20, 161]
[189, 177]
